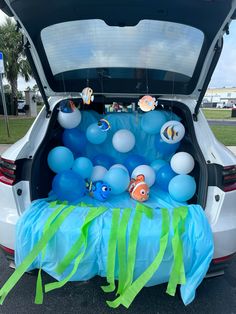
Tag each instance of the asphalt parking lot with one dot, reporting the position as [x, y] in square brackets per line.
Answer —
[215, 295]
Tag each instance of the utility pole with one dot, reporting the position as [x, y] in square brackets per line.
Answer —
[3, 95]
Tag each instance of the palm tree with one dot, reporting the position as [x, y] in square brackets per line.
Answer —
[15, 62]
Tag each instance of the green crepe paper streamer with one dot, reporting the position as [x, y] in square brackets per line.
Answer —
[177, 275]
[122, 258]
[130, 293]
[18, 273]
[83, 239]
[140, 210]
[39, 285]
[111, 256]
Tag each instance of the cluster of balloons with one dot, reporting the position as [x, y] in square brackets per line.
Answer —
[71, 172]
[68, 184]
[123, 140]
[174, 177]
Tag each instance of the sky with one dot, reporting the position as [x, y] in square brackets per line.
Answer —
[225, 72]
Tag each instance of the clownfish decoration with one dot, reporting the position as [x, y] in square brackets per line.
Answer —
[87, 95]
[99, 190]
[138, 189]
[147, 103]
[104, 125]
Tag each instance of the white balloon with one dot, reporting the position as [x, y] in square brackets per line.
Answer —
[119, 166]
[172, 132]
[123, 141]
[98, 173]
[182, 163]
[147, 171]
[69, 120]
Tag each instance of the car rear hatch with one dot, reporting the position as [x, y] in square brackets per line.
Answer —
[123, 48]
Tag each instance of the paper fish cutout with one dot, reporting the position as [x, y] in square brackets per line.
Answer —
[87, 95]
[147, 103]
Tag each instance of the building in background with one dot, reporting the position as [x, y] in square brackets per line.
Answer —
[220, 97]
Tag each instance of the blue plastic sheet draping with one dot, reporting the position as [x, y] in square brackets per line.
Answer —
[197, 240]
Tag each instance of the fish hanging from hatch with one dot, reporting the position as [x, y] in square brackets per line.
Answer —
[87, 95]
[147, 103]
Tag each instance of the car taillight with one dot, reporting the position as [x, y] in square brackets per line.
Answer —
[229, 178]
[7, 250]
[223, 259]
[7, 171]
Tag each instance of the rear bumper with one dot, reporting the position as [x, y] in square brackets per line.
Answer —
[8, 220]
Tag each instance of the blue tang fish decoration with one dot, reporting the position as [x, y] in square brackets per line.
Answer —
[99, 190]
[104, 125]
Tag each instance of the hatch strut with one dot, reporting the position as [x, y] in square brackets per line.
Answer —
[218, 48]
[36, 77]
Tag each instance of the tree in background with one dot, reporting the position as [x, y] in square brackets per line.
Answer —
[15, 62]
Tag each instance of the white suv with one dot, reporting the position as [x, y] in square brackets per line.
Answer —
[123, 50]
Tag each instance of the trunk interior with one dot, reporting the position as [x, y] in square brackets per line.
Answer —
[41, 176]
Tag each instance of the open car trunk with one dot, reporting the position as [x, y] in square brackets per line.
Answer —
[41, 184]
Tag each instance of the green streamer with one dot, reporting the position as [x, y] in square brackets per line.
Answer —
[39, 284]
[18, 273]
[177, 275]
[139, 211]
[122, 258]
[127, 297]
[93, 213]
[111, 256]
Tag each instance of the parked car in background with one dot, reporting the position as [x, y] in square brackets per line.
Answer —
[21, 106]
[225, 105]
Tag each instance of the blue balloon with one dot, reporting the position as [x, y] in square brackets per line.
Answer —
[60, 158]
[182, 187]
[165, 149]
[152, 121]
[157, 164]
[83, 166]
[95, 135]
[75, 140]
[118, 179]
[164, 175]
[133, 161]
[103, 160]
[68, 186]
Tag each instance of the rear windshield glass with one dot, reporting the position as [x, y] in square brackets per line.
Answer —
[91, 44]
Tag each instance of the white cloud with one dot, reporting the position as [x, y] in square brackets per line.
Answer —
[2, 17]
[225, 72]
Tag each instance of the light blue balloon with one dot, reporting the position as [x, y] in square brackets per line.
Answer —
[182, 187]
[68, 186]
[152, 121]
[83, 166]
[157, 164]
[60, 159]
[95, 135]
[118, 179]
